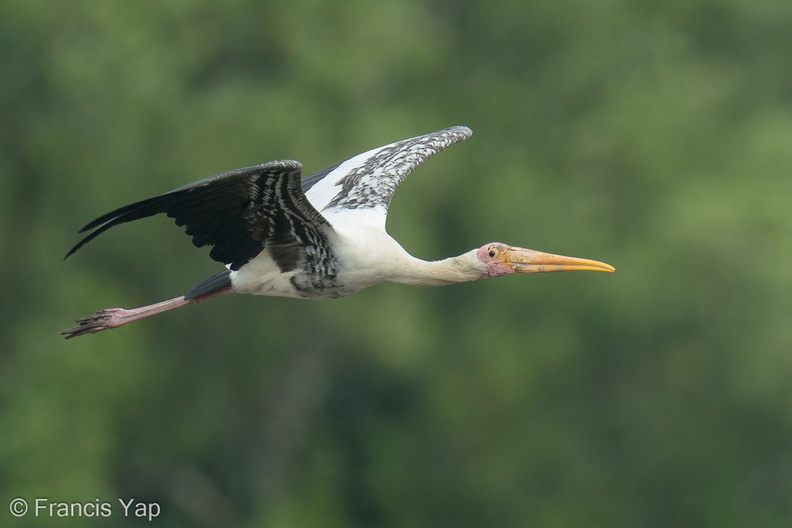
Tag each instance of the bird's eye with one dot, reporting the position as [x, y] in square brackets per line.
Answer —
[492, 252]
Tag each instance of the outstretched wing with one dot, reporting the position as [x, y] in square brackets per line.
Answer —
[242, 212]
[365, 183]
[239, 213]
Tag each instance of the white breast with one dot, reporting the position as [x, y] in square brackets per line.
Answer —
[367, 256]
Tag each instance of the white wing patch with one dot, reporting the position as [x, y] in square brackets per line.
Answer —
[360, 189]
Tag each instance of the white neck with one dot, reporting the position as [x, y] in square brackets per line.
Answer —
[416, 272]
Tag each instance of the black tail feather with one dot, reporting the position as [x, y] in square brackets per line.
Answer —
[212, 284]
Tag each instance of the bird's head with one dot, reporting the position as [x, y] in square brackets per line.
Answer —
[502, 259]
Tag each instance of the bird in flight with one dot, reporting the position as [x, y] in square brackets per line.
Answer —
[320, 237]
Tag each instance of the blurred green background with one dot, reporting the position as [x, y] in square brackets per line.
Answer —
[656, 136]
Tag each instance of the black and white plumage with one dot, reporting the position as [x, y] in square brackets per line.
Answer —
[319, 237]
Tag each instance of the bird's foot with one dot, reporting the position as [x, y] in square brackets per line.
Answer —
[115, 317]
[101, 320]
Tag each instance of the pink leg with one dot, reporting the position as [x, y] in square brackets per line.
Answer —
[115, 317]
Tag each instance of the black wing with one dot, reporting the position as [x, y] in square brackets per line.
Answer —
[239, 213]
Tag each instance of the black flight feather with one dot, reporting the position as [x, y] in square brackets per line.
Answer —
[239, 213]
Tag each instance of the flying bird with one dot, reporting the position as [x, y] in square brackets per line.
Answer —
[320, 237]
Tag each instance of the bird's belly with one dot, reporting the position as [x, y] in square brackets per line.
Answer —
[262, 276]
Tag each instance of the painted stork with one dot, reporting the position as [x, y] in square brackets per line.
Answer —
[320, 237]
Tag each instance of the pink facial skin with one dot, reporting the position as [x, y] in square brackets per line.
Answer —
[492, 255]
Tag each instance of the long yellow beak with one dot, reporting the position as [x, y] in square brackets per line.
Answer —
[529, 261]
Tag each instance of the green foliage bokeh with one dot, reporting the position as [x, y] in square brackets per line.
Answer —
[656, 136]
